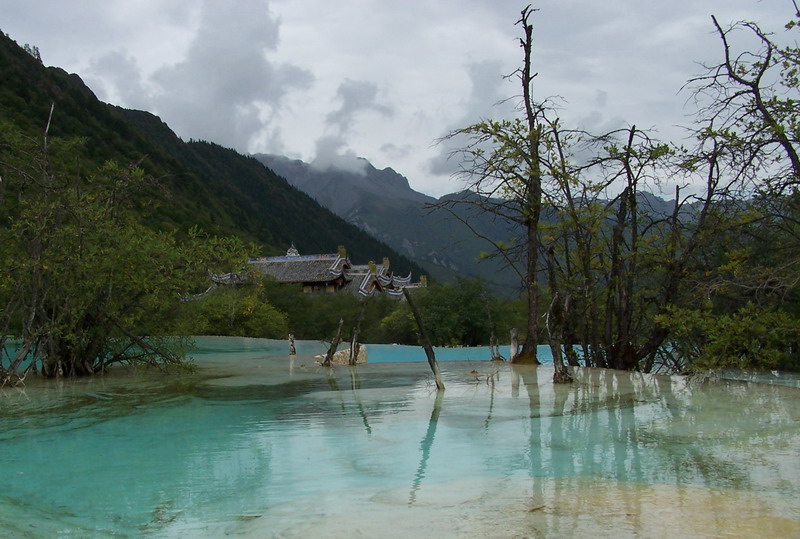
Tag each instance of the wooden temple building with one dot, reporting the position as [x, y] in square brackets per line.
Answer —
[329, 273]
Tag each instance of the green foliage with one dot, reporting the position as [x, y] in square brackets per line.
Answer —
[83, 281]
[399, 325]
[454, 315]
[752, 338]
[203, 184]
[241, 311]
[751, 118]
[316, 316]
[624, 273]
[89, 262]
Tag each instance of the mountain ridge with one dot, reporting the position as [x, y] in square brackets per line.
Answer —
[199, 183]
[382, 203]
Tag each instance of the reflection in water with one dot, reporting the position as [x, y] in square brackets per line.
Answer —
[355, 385]
[492, 378]
[425, 447]
[247, 446]
[533, 451]
[630, 427]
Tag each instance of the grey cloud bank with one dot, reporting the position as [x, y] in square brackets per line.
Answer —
[328, 82]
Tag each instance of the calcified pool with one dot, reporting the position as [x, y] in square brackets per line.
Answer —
[258, 444]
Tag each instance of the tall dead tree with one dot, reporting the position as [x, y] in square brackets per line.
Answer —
[505, 164]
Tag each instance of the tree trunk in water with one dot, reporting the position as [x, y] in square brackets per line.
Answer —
[568, 336]
[494, 347]
[513, 347]
[334, 345]
[561, 374]
[532, 197]
[555, 324]
[354, 346]
[425, 341]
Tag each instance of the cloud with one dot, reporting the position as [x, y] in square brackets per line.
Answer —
[595, 120]
[356, 97]
[239, 72]
[488, 87]
[331, 153]
[397, 152]
[116, 78]
[601, 98]
[225, 88]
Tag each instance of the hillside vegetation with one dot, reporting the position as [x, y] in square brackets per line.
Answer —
[199, 183]
[110, 225]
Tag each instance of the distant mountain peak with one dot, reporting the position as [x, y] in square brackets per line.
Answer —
[382, 203]
[199, 183]
[343, 185]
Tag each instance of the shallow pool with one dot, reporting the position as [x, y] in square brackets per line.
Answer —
[256, 443]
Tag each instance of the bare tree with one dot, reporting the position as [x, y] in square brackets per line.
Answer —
[750, 104]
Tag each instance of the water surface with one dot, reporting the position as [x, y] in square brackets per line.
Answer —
[256, 443]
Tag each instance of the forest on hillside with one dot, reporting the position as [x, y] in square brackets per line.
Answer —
[108, 221]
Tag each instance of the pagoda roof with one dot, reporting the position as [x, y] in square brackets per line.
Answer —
[303, 269]
[359, 279]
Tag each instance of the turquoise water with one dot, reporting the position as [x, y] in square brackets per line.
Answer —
[390, 353]
[256, 443]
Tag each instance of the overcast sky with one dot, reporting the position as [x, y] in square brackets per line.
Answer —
[328, 81]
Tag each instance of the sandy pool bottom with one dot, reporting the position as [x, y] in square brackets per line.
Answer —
[538, 507]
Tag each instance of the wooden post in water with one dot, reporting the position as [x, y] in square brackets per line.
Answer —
[425, 342]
